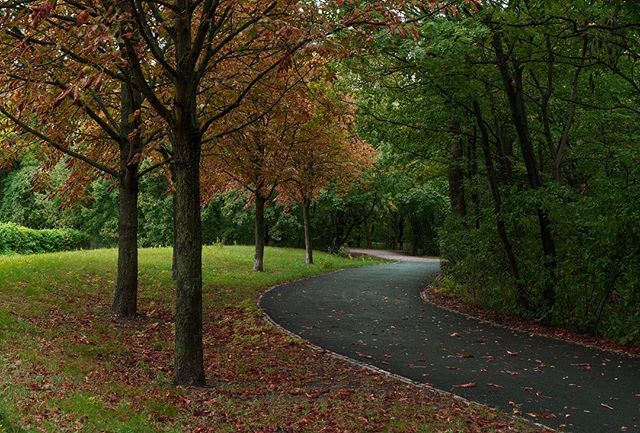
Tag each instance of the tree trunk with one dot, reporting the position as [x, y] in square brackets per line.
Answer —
[174, 266]
[415, 236]
[521, 295]
[472, 159]
[456, 173]
[126, 295]
[513, 84]
[339, 222]
[258, 260]
[398, 232]
[189, 364]
[306, 204]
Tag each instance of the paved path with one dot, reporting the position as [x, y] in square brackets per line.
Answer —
[375, 314]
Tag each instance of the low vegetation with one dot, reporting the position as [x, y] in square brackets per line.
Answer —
[22, 240]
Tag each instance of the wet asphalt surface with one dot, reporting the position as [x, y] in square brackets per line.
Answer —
[375, 315]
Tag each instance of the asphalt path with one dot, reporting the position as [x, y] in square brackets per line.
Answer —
[376, 315]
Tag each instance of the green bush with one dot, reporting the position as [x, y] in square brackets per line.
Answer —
[597, 233]
[15, 239]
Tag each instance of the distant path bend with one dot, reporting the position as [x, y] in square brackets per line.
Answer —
[375, 315]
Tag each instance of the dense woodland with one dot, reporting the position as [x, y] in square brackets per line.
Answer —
[502, 136]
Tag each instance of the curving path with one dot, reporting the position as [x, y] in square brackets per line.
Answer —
[375, 315]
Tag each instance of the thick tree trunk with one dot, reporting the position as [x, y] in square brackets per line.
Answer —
[126, 295]
[456, 173]
[258, 259]
[174, 266]
[189, 366]
[187, 143]
[308, 248]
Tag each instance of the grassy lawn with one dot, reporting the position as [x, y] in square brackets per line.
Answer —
[66, 364]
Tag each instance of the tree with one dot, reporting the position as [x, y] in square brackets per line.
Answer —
[60, 95]
[207, 57]
[328, 152]
[193, 62]
[514, 103]
[258, 157]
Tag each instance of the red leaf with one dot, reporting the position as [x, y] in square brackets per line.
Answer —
[83, 16]
[61, 97]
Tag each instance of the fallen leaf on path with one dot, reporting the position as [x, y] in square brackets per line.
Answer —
[364, 355]
[462, 355]
[585, 366]
[545, 415]
[466, 385]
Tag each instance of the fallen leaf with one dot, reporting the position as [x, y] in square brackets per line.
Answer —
[545, 415]
[585, 366]
[466, 385]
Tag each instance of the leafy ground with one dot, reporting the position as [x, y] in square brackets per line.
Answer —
[66, 364]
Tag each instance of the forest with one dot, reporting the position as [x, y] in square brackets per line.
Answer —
[499, 136]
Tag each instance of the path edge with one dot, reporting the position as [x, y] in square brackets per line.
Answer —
[426, 299]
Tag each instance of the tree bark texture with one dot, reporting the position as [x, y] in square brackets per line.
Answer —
[308, 247]
[126, 295]
[258, 259]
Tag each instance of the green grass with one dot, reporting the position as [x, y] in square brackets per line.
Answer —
[227, 274]
[68, 365]
[74, 284]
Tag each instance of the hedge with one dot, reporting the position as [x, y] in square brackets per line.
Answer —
[15, 239]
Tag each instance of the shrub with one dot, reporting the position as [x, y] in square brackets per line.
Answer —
[15, 239]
